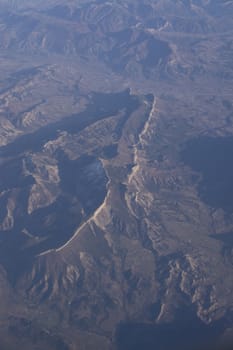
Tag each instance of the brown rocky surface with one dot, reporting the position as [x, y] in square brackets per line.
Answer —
[115, 173]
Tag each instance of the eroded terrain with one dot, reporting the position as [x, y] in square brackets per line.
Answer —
[115, 174]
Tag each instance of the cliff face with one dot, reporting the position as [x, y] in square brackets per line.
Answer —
[115, 174]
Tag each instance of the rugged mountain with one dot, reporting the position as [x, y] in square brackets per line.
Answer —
[115, 174]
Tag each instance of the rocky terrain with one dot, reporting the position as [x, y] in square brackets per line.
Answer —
[116, 172]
